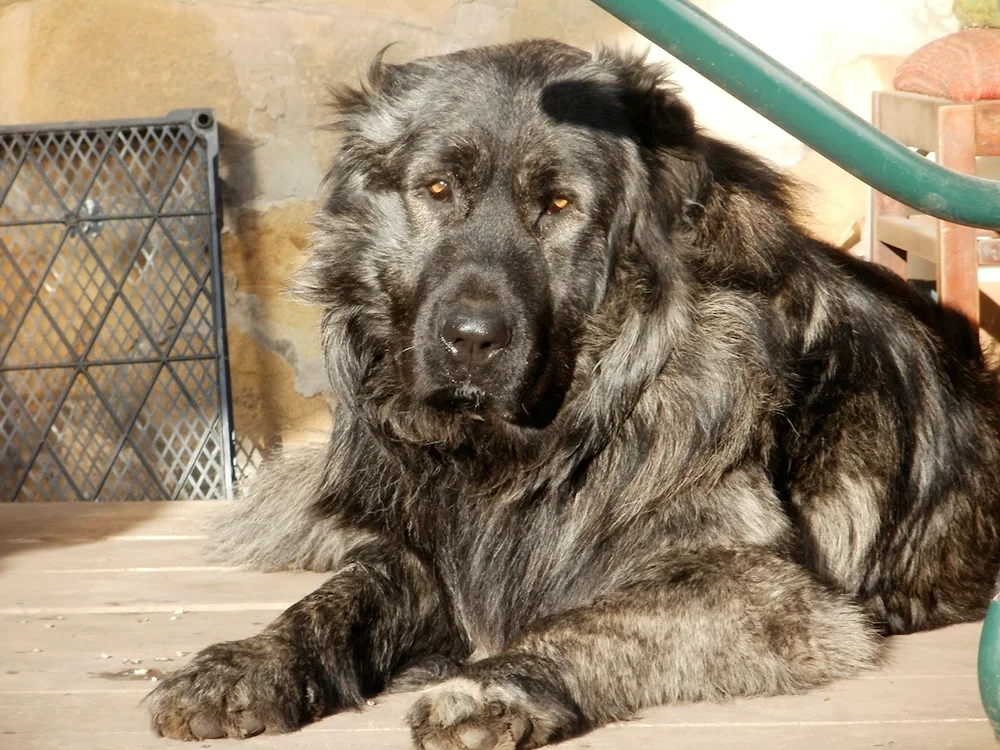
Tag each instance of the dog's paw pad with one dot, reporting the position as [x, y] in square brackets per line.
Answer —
[478, 738]
[204, 726]
[462, 715]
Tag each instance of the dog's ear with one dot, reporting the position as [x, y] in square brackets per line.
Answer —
[660, 118]
[354, 101]
[374, 135]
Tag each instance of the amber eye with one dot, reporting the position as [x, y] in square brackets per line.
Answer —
[556, 205]
[440, 189]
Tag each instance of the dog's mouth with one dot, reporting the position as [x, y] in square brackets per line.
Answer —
[465, 398]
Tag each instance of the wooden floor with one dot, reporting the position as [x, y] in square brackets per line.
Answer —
[98, 600]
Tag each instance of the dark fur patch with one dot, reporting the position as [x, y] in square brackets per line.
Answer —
[711, 456]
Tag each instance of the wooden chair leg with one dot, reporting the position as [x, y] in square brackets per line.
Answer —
[883, 205]
[958, 259]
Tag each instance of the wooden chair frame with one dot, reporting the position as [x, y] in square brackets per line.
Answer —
[918, 246]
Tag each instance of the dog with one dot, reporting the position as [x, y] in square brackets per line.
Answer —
[613, 429]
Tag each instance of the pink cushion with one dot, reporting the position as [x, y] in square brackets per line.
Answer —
[963, 67]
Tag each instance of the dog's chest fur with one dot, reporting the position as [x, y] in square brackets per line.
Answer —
[507, 563]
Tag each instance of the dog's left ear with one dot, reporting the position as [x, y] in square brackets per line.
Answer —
[662, 120]
[372, 134]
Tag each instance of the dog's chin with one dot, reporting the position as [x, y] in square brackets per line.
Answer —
[468, 419]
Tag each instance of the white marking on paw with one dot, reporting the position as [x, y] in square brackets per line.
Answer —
[454, 701]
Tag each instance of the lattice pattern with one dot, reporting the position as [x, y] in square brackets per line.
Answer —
[76, 293]
[30, 249]
[84, 436]
[111, 377]
[38, 341]
[247, 458]
[18, 438]
[68, 161]
[160, 288]
[129, 477]
[47, 481]
[125, 386]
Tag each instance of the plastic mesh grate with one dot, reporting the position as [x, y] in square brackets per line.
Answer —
[68, 161]
[84, 437]
[46, 481]
[75, 293]
[113, 370]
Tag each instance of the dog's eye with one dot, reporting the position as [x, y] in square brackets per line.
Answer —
[556, 205]
[440, 190]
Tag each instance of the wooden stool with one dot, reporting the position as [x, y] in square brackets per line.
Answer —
[956, 131]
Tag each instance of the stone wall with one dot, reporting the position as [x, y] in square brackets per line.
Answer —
[263, 65]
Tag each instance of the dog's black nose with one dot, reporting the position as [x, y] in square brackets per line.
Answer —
[474, 334]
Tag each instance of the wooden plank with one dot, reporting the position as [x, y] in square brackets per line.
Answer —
[958, 267]
[78, 653]
[946, 651]
[911, 718]
[910, 119]
[791, 735]
[881, 206]
[139, 571]
[76, 522]
[988, 167]
[108, 555]
[917, 736]
[916, 234]
[88, 652]
[157, 591]
[988, 128]
[920, 269]
[988, 250]
[107, 721]
[864, 701]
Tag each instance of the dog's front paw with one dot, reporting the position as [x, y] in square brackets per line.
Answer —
[237, 689]
[469, 714]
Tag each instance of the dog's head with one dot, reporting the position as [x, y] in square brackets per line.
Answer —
[480, 209]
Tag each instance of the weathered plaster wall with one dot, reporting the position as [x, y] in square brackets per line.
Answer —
[262, 64]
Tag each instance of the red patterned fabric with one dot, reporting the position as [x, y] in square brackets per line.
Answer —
[963, 67]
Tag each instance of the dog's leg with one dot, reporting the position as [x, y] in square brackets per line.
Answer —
[342, 642]
[275, 523]
[710, 625]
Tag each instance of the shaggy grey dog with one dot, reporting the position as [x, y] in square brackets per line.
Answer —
[613, 430]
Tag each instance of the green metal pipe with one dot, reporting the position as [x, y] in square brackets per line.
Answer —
[805, 112]
[989, 666]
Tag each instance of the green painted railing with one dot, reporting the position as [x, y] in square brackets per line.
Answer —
[805, 112]
[818, 121]
[989, 666]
